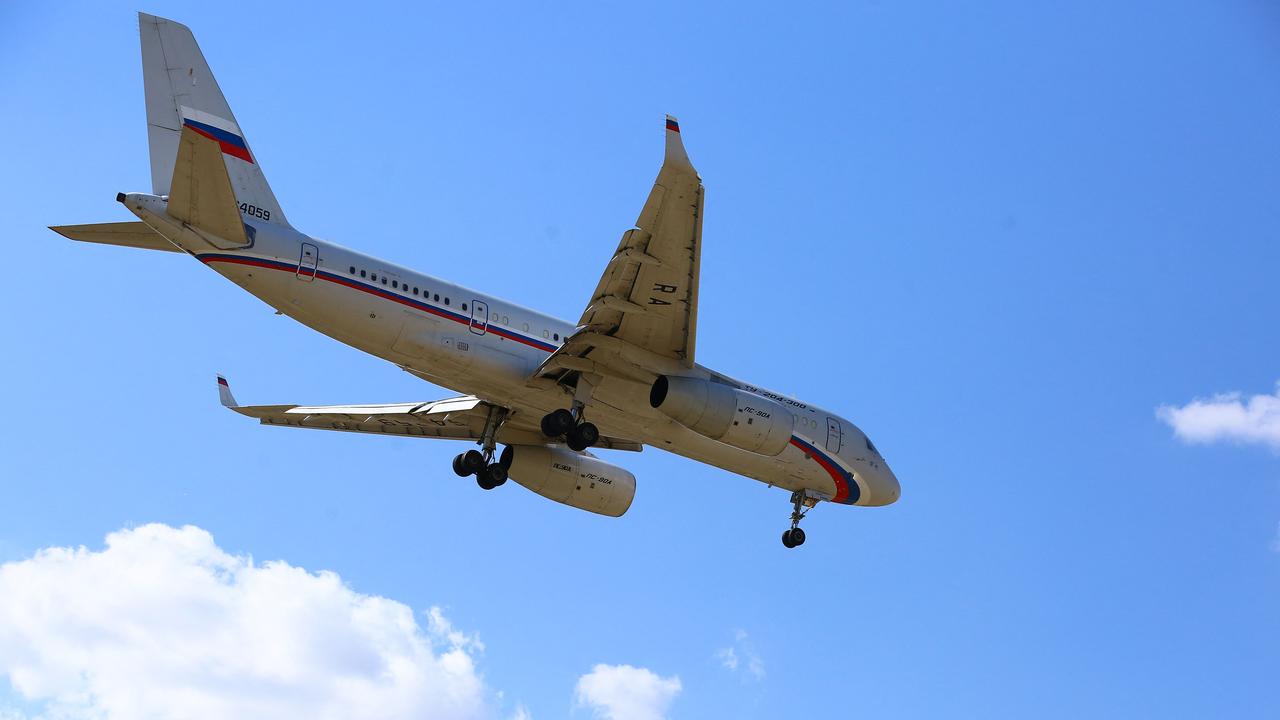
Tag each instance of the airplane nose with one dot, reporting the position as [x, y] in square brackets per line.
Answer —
[885, 489]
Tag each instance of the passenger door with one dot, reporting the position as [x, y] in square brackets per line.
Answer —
[479, 317]
[833, 435]
[308, 261]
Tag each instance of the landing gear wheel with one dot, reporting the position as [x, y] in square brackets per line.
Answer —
[472, 461]
[491, 477]
[557, 423]
[458, 468]
[582, 437]
[498, 474]
[802, 502]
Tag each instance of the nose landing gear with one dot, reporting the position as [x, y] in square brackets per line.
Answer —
[794, 537]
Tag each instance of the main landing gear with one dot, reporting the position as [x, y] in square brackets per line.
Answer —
[489, 474]
[795, 536]
[578, 434]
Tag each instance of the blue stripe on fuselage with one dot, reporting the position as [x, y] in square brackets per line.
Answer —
[377, 291]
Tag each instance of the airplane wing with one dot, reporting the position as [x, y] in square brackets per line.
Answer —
[648, 296]
[460, 418]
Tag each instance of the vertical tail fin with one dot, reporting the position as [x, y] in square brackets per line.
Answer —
[182, 92]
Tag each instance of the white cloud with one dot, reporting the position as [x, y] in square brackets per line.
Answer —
[162, 623]
[742, 654]
[728, 658]
[1227, 417]
[623, 692]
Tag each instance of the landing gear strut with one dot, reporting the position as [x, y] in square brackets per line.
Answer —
[489, 474]
[799, 499]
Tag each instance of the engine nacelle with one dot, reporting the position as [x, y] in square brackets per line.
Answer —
[732, 416]
[580, 481]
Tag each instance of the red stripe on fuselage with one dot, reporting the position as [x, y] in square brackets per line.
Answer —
[838, 476]
[386, 295]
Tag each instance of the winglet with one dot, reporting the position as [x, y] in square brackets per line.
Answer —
[676, 155]
[224, 394]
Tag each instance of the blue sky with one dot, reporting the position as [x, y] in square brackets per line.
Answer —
[997, 237]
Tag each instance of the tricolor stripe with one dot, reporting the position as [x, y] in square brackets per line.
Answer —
[231, 143]
[377, 292]
[672, 125]
[847, 490]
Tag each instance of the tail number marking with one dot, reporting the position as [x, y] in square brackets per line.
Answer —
[255, 211]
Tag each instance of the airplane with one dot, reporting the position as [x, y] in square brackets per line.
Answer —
[622, 377]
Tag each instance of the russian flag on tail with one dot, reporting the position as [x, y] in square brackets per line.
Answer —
[224, 131]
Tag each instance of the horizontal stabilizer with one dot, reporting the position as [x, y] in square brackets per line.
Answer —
[201, 194]
[128, 234]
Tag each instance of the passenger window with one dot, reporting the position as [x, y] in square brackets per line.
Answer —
[361, 273]
[353, 269]
[446, 301]
[526, 327]
[395, 284]
[546, 333]
[557, 336]
[437, 297]
[464, 306]
[415, 291]
[384, 279]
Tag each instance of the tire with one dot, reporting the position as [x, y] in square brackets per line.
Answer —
[557, 423]
[786, 539]
[797, 537]
[484, 481]
[472, 462]
[496, 474]
[588, 433]
[582, 437]
[575, 441]
[458, 468]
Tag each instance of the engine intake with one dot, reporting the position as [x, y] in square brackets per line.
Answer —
[577, 480]
[732, 416]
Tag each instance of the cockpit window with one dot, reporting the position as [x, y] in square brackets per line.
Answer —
[871, 446]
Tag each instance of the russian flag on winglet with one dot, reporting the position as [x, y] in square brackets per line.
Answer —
[223, 382]
[672, 125]
[220, 129]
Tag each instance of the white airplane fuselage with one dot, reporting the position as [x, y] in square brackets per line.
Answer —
[484, 346]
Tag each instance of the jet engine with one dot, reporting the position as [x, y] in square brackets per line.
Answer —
[732, 416]
[577, 480]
